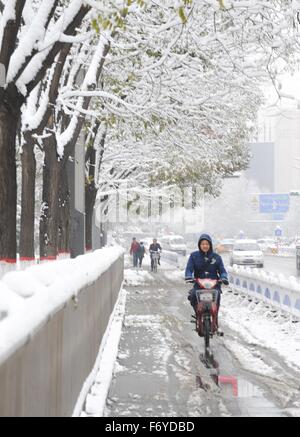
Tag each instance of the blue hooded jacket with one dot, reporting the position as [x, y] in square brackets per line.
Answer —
[205, 265]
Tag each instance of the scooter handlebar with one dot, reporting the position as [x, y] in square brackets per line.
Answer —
[220, 281]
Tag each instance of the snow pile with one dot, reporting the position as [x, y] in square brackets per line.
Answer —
[175, 276]
[250, 358]
[6, 267]
[135, 277]
[8, 301]
[28, 298]
[258, 326]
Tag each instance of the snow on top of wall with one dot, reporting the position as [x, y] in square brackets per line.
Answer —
[29, 298]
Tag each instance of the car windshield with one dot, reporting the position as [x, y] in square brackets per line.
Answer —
[247, 247]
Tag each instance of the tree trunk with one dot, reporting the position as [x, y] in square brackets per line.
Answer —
[90, 197]
[28, 200]
[64, 214]
[103, 220]
[49, 215]
[90, 187]
[10, 104]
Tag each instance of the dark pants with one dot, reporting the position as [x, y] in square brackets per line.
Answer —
[135, 259]
[140, 257]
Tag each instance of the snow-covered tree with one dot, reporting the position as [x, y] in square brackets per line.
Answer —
[31, 36]
[173, 84]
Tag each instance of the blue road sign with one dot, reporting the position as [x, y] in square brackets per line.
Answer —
[278, 217]
[278, 232]
[274, 203]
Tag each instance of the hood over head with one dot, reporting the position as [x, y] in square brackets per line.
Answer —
[207, 238]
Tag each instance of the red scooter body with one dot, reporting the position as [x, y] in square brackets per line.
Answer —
[207, 304]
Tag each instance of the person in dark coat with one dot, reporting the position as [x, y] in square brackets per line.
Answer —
[154, 247]
[141, 253]
[205, 263]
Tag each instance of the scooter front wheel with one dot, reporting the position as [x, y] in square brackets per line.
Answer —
[206, 333]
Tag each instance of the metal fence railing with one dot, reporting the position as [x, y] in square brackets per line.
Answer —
[275, 290]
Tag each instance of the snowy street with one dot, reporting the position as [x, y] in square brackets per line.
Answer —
[286, 266]
[137, 132]
[160, 370]
[277, 264]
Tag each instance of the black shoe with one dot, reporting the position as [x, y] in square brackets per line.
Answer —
[220, 333]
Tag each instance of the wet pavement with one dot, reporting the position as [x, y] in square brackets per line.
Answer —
[161, 369]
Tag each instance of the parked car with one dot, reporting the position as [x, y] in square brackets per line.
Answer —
[247, 253]
[225, 245]
[267, 245]
[174, 243]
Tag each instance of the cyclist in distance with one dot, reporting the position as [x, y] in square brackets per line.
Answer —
[154, 247]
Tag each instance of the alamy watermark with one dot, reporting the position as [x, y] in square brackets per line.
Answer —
[129, 204]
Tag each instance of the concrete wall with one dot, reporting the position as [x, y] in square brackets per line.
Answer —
[287, 148]
[274, 150]
[44, 377]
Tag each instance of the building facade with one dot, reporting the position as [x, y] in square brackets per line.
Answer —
[275, 163]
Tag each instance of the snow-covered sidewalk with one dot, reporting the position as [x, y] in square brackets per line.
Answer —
[260, 325]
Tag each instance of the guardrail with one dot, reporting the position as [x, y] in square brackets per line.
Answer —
[173, 258]
[50, 337]
[281, 251]
[276, 290]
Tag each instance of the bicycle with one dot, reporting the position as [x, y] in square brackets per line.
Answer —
[206, 309]
[154, 260]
